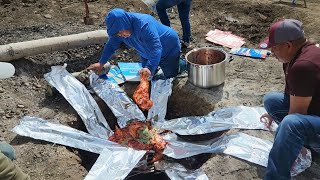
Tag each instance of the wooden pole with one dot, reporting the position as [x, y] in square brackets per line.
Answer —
[18, 50]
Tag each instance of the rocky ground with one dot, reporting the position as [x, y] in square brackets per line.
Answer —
[247, 80]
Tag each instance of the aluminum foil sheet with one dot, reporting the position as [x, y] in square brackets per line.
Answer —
[176, 171]
[302, 163]
[115, 161]
[246, 147]
[241, 117]
[114, 164]
[117, 100]
[257, 151]
[38, 128]
[80, 99]
[240, 145]
[160, 93]
[179, 149]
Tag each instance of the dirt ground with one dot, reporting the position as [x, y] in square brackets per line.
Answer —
[247, 80]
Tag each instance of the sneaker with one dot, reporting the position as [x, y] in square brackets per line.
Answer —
[186, 45]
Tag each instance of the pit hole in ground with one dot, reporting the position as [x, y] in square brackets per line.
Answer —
[181, 104]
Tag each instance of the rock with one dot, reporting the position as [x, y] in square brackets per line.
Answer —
[48, 16]
[2, 90]
[29, 1]
[5, 2]
[20, 106]
[8, 116]
[95, 16]
[37, 86]
[262, 16]
[47, 113]
[2, 112]
[27, 84]
[26, 5]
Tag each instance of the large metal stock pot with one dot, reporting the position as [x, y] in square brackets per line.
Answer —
[206, 66]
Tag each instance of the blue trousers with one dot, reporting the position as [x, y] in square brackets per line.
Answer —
[184, 7]
[294, 132]
[7, 150]
[169, 65]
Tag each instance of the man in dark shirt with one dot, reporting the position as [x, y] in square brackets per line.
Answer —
[297, 110]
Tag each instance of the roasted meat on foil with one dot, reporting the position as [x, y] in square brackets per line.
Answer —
[141, 136]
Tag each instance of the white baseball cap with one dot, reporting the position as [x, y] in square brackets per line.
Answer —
[6, 70]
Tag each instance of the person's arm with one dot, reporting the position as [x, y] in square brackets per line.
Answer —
[299, 104]
[111, 46]
[302, 86]
[152, 41]
[8, 170]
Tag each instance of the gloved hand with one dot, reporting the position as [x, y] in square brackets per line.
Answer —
[106, 68]
[99, 68]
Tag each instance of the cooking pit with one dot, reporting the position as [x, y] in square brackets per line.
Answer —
[182, 103]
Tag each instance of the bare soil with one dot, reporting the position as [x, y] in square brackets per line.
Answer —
[247, 80]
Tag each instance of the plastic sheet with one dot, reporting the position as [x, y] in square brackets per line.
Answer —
[80, 99]
[240, 117]
[117, 100]
[160, 93]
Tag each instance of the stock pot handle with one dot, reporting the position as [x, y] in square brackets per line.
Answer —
[230, 57]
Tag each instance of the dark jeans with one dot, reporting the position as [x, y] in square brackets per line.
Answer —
[169, 65]
[184, 7]
[294, 132]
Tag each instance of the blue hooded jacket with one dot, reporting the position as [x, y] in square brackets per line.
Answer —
[152, 40]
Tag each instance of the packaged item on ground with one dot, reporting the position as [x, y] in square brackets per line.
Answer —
[254, 53]
[225, 38]
[130, 70]
[114, 75]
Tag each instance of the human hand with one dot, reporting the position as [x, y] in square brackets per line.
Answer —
[145, 71]
[267, 120]
[97, 67]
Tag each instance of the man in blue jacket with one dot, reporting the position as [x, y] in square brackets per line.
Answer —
[157, 44]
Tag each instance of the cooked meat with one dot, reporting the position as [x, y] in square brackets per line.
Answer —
[141, 94]
[140, 135]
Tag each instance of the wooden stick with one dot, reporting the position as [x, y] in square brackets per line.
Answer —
[18, 50]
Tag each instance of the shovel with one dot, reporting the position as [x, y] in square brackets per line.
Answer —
[87, 20]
